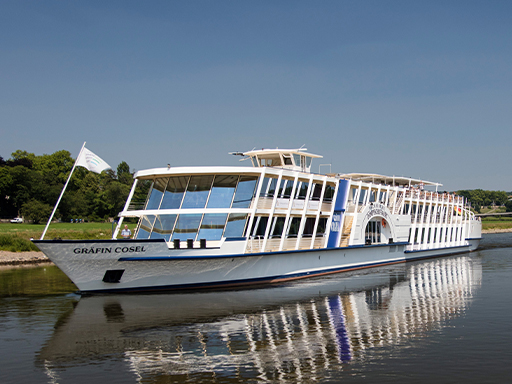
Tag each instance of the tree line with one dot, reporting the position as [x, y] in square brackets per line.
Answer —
[30, 186]
[480, 198]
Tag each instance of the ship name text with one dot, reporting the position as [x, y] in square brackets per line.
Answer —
[92, 250]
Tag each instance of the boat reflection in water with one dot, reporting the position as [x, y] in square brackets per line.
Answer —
[288, 333]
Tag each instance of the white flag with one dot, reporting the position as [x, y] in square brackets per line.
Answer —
[92, 162]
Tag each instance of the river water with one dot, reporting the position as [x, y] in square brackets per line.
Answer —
[444, 320]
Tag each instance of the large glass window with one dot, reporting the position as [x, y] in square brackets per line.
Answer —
[244, 192]
[308, 162]
[146, 225]
[362, 196]
[174, 192]
[187, 226]
[294, 227]
[296, 159]
[156, 193]
[277, 227]
[269, 187]
[309, 226]
[164, 224]
[142, 233]
[382, 197]
[302, 190]
[236, 225]
[197, 191]
[316, 191]
[259, 226]
[322, 224]
[212, 226]
[285, 189]
[329, 192]
[222, 191]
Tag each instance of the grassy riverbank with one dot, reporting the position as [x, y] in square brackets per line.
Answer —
[490, 225]
[16, 237]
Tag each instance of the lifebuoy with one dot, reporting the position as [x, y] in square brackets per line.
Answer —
[384, 223]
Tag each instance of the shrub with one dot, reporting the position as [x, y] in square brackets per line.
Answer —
[13, 243]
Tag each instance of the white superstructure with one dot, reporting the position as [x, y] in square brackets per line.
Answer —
[275, 221]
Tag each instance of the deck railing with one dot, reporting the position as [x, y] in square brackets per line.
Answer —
[255, 244]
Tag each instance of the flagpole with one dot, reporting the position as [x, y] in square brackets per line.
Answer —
[62, 193]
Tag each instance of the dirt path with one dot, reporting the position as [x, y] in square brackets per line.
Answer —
[16, 258]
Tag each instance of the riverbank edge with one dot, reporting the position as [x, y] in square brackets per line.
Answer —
[22, 258]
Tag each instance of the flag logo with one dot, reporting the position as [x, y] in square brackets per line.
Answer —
[91, 161]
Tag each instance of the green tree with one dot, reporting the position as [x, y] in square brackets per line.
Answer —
[36, 211]
[7, 208]
[54, 168]
[26, 184]
[115, 196]
[123, 173]
[29, 182]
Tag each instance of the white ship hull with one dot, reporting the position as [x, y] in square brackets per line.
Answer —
[150, 266]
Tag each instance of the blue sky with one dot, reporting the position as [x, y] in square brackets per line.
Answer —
[406, 88]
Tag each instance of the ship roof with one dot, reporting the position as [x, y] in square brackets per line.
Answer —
[264, 151]
[391, 180]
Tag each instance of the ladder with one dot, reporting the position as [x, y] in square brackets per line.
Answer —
[347, 229]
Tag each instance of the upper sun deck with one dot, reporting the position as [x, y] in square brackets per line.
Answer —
[389, 180]
[293, 159]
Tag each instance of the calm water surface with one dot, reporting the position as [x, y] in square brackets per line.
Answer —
[445, 320]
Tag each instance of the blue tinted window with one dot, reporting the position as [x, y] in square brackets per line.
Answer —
[163, 227]
[244, 192]
[142, 234]
[187, 226]
[236, 225]
[174, 192]
[212, 226]
[146, 224]
[156, 193]
[197, 191]
[222, 191]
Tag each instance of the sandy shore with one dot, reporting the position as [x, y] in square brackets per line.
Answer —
[17, 258]
[497, 230]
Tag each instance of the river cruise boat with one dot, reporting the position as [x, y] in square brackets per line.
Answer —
[274, 221]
